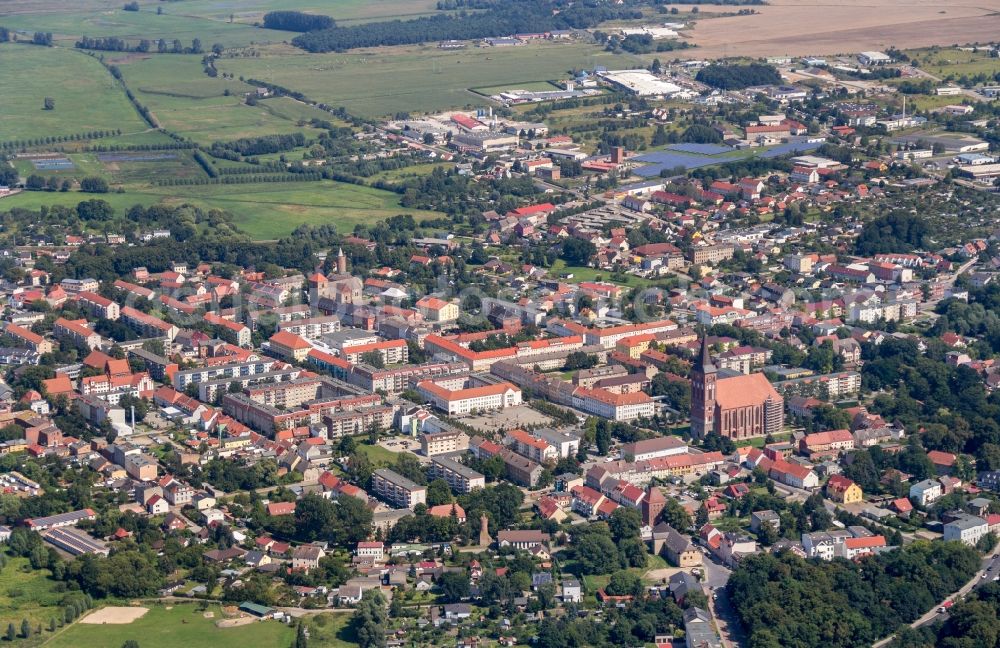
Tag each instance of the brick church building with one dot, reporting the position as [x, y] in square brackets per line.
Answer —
[736, 406]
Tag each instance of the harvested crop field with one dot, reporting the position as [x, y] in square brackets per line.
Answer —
[799, 27]
[114, 615]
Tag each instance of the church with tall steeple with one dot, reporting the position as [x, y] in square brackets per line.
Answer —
[732, 404]
[703, 383]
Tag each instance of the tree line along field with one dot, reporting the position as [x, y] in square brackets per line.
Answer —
[87, 98]
[374, 83]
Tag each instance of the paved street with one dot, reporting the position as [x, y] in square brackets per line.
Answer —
[990, 569]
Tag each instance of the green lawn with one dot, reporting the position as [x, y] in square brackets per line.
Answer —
[26, 593]
[560, 268]
[377, 454]
[417, 78]
[331, 630]
[87, 98]
[182, 626]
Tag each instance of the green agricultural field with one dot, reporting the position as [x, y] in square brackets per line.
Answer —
[265, 211]
[186, 101]
[175, 22]
[272, 210]
[951, 63]
[134, 173]
[36, 199]
[182, 626]
[343, 11]
[417, 79]
[86, 96]
[27, 594]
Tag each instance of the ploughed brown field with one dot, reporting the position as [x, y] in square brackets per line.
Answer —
[799, 27]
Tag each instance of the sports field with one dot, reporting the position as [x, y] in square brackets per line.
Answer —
[419, 78]
[87, 98]
[182, 626]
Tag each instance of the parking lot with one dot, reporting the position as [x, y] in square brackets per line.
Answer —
[513, 417]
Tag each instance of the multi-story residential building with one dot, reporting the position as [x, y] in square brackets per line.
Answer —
[393, 380]
[445, 441]
[843, 490]
[437, 310]
[398, 490]
[77, 332]
[232, 371]
[28, 338]
[826, 386]
[178, 493]
[392, 351]
[98, 306]
[566, 445]
[289, 345]
[358, 420]
[208, 390]
[235, 332]
[530, 446]
[460, 477]
[926, 491]
[148, 325]
[711, 254]
[311, 327]
[113, 388]
[519, 469]
[968, 529]
[80, 285]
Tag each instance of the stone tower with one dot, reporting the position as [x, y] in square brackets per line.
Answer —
[484, 532]
[652, 505]
[703, 384]
[341, 261]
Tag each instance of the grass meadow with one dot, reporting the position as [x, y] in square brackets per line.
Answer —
[27, 594]
[181, 626]
[265, 210]
[380, 82]
[186, 101]
[87, 98]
